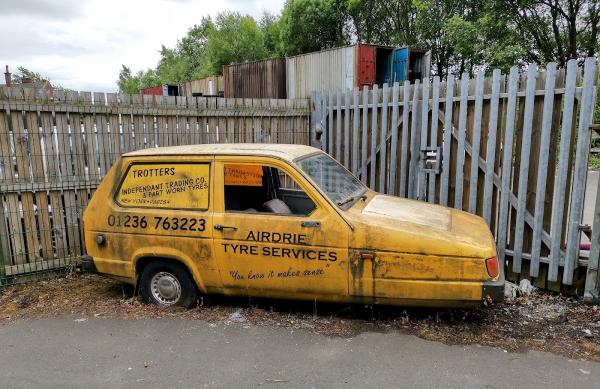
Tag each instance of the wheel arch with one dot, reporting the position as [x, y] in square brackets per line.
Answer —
[149, 254]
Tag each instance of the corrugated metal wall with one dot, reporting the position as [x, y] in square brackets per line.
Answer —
[260, 79]
[208, 86]
[323, 70]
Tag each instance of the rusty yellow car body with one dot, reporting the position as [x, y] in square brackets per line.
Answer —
[177, 206]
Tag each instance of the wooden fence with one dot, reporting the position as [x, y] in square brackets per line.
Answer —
[511, 148]
[55, 150]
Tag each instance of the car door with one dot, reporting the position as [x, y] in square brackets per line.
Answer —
[300, 253]
[162, 207]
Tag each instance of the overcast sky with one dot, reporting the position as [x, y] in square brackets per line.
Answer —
[81, 44]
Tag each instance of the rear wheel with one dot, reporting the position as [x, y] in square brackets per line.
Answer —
[168, 284]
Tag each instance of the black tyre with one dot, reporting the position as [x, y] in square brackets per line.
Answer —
[168, 284]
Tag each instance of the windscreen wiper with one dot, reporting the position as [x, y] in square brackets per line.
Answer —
[348, 200]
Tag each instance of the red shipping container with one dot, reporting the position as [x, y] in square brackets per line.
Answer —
[155, 91]
[365, 74]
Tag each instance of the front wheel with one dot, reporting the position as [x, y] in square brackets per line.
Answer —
[168, 284]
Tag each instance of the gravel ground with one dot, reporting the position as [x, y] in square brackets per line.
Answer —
[541, 321]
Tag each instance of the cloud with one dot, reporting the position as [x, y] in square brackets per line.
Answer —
[81, 44]
[36, 42]
[43, 9]
[256, 8]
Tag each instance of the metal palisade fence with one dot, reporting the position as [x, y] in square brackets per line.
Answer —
[54, 150]
[512, 148]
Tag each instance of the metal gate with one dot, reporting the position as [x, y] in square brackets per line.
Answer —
[511, 148]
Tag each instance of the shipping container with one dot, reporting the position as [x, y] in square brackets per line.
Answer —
[206, 86]
[162, 90]
[322, 70]
[410, 64]
[353, 66]
[259, 79]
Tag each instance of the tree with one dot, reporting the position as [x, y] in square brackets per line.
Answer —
[371, 22]
[554, 30]
[234, 38]
[463, 35]
[171, 68]
[26, 74]
[270, 26]
[127, 82]
[311, 25]
[192, 47]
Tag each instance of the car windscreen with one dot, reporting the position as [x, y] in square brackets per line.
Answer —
[338, 183]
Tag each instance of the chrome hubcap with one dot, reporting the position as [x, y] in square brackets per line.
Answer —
[165, 288]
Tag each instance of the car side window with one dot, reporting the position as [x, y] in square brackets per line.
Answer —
[168, 185]
[263, 189]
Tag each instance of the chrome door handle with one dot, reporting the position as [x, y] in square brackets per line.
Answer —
[221, 227]
[311, 224]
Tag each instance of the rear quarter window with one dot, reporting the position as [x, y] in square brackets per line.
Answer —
[165, 185]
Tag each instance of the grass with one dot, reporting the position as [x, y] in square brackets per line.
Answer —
[594, 162]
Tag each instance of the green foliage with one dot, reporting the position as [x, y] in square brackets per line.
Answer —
[270, 25]
[126, 82]
[234, 38]
[24, 73]
[462, 35]
[383, 22]
[552, 30]
[311, 25]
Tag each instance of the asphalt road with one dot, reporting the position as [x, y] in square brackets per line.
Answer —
[93, 353]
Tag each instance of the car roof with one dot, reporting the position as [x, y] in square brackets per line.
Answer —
[284, 151]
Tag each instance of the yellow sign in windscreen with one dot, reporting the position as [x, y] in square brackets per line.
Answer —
[243, 175]
[176, 185]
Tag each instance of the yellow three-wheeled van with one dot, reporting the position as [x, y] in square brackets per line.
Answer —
[282, 221]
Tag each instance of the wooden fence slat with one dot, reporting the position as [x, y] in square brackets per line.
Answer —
[365, 123]
[579, 175]
[52, 163]
[374, 133]
[475, 143]
[31, 231]
[505, 191]
[524, 167]
[448, 108]
[338, 126]
[540, 192]
[422, 176]
[383, 143]
[355, 138]
[15, 229]
[58, 221]
[330, 130]
[138, 121]
[435, 106]
[404, 148]
[20, 144]
[45, 229]
[490, 154]
[347, 128]
[90, 144]
[103, 147]
[394, 142]
[63, 148]
[414, 141]
[462, 133]
[35, 146]
[560, 185]
[6, 163]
